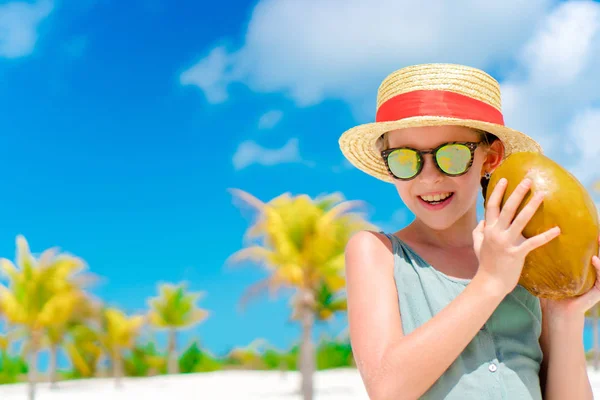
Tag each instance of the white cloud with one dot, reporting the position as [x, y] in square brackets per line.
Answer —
[552, 93]
[249, 153]
[315, 49]
[583, 133]
[343, 166]
[212, 75]
[560, 50]
[18, 26]
[548, 51]
[269, 119]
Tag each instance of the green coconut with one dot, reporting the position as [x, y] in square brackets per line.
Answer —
[561, 268]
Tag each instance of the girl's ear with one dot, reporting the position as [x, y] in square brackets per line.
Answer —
[495, 154]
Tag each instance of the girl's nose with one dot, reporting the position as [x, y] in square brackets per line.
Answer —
[430, 173]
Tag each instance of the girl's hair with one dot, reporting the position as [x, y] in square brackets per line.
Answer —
[486, 137]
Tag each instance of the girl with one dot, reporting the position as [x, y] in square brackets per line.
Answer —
[435, 309]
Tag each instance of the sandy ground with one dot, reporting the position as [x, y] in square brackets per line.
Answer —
[236, 385]
[223, 385]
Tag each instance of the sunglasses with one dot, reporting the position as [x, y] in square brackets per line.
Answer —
[452, 159]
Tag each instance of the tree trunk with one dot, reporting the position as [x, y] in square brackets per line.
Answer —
[282, 369]
[595, 337]
[53, 366]
[172, 362]
[307, 356]
[117, 364]
[32, 366]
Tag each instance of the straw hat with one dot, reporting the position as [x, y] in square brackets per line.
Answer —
[432, 95]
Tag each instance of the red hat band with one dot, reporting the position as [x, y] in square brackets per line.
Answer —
[440, 103]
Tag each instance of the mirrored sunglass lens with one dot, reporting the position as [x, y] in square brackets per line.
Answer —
[404, 163]
[454, 158]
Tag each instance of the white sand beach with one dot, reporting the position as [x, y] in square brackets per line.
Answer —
[335, 384]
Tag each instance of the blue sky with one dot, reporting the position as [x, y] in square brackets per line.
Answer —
[124, 124]
[121, 164]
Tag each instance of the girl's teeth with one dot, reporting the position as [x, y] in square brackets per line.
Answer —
[436, 197]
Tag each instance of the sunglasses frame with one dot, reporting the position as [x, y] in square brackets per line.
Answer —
[472, 146]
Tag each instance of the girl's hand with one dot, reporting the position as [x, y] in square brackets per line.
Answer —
[499, 243]
[576, 307]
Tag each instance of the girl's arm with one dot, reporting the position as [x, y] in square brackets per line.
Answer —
[391, 364]
[564, 370]
[394, 365]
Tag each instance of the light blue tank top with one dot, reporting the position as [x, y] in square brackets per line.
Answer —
[503, 359]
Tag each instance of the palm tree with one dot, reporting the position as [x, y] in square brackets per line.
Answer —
[327, 303]
[175, 309]
[12, 367]
[4, 342]
[119, 333]
[145, 360]
[303, 243]
[84, 347]
[37, 289]
[75, 309]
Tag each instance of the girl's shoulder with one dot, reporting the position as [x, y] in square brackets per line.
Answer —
[367, 248]
[368, 241]
[377, 246]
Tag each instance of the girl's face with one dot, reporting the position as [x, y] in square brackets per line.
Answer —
[436, 199]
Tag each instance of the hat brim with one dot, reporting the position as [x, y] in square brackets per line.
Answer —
[358, 144]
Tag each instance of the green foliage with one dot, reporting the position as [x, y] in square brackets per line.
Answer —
[334, 354]
[589, 355]
[275, 360]
[144, 360]
[12, 368]
[193, 359]
[175, 307]
[147, 360]
[329, 353]
[72, 374]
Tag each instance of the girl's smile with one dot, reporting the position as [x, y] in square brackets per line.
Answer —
[436, 201]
